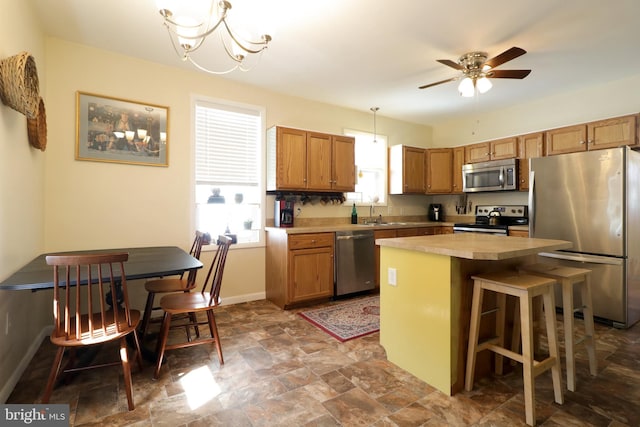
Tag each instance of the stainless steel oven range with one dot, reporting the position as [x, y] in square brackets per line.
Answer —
[494, 219]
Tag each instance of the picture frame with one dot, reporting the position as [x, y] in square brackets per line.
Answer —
[118, 130]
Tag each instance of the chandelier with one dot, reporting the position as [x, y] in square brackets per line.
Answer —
[188, 32]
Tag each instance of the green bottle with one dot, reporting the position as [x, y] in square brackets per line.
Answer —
[354, 215]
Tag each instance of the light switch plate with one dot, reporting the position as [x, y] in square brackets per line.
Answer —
[391, 276]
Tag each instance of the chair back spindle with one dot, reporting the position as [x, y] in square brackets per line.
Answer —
[213, 283]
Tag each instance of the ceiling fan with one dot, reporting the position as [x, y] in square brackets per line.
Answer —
[477, 70]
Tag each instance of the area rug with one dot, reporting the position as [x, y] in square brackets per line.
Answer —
[347, 320]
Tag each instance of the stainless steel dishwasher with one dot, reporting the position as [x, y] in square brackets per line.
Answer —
[354, 262]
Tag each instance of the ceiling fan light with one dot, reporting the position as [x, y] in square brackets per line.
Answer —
[466, 87]
[483, 84]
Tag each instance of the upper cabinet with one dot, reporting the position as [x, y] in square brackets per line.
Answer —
[499, 149]
[475, 153]
[529, 146]
[597, 135]
[612, 133]
[343, 161]
[407, 170]
[439, 170]
[456, 169]
[299, 160]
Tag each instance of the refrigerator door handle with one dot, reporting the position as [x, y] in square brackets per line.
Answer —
[583, 258]
[532, 204]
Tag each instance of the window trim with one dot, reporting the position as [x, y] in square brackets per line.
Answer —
[261, 110]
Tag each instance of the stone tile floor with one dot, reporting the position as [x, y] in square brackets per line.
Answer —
[281, 371]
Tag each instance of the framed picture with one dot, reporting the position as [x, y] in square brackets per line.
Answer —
[121, 131]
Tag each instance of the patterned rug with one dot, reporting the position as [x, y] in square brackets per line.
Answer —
[347, 320]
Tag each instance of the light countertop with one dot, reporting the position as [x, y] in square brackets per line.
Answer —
[475, 246]
[350, 227]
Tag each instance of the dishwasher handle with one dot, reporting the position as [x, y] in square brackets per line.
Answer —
[355, 237]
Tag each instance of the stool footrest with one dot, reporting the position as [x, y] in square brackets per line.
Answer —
[504, 352]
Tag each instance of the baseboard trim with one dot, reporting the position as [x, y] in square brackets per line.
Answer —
[244, 298]
[5, 392]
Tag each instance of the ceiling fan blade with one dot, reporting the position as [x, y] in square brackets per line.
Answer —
[451, 64]
[508, 74]
[505, 56]
[438, 83]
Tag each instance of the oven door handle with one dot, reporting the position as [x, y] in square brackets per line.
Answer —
[501, 177]
[480, 230]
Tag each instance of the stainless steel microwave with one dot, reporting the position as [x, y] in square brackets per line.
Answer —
[497, 175]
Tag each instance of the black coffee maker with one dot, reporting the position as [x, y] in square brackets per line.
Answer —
[436, 213]
[283, 215]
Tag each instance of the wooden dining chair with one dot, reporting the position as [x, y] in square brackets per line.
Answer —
[171, 284]
[82, 316]
[193, 303]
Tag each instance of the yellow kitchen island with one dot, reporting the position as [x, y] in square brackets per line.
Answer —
[425, 298]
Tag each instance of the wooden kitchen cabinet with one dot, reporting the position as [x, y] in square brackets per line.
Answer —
[529, 146]
[518, 233]
[343, 161]
[456, 169]
[299, 160]
[475, 153]
[407, 170]
[499, 149]
[601, 134]
[569, 139]
[299, 267]
[439, 170]
[612, 133]
[506, 148]
[318, 161]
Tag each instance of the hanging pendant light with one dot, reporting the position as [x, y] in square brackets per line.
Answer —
[375, 135]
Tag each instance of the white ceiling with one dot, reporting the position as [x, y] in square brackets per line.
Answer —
[365, 53]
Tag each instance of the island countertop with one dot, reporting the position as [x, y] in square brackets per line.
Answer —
[475, 246]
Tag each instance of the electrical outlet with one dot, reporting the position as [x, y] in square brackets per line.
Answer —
[391, 276]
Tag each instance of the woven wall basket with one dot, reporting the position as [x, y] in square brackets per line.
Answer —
[37, 128]
[19, 87]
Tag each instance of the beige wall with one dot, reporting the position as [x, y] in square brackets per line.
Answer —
[22, 212]
[126, 205]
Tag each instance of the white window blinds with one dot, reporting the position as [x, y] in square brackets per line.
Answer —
[227, 145]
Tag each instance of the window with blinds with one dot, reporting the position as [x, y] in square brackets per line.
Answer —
[228, 173]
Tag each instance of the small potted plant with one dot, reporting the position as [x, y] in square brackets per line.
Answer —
[248, 223]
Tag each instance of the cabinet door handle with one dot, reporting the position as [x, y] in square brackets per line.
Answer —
[582, 142]
[313, 241]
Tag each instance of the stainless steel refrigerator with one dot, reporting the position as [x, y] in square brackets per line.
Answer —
[593, 200]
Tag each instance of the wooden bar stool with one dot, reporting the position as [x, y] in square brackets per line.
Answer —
[524, 287]
[568, 277]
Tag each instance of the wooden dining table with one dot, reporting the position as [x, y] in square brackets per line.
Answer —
[143, 263]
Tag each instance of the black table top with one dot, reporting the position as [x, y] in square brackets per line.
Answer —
[144, 263]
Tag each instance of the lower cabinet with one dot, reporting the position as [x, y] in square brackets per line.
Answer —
[518, 233]
[299, 267]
